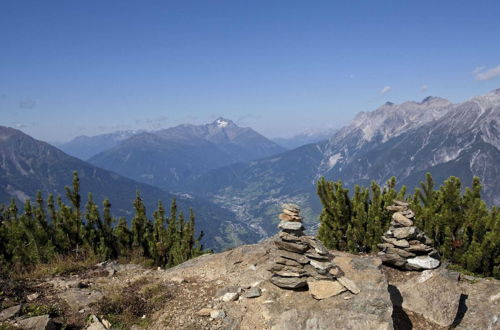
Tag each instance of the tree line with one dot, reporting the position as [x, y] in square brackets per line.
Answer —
[465, 231]
[44, 230]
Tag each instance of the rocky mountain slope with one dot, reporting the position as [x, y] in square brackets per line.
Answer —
[232, 290]
[28, 165]
[405, 141]
[85, 147]
[170, 157]
[306, 137]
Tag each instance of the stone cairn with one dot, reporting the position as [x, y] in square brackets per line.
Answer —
[406, 246]
[303, 261]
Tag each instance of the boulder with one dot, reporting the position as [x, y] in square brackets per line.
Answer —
[392, 259]
[322, 289]
[434, 296]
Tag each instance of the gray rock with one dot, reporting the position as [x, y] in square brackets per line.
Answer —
[419, 248]
[287, 262]
[401, 219]
[423, 262]
[433, 296]
[289, 225]
[42, 322]
[289, 237]
[293, 256]
[289, 282]
[405, 232]
[254, 292]
[401, 252]
[315, 244]
[401, 203]
[10, 312]
[392, 259]
[217, 314]
[230, 296]
[402, 243]
[292, 247]
[322, 267]
[317, 256]
[348, 284]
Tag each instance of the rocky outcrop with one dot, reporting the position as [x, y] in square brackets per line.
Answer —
[406, 246]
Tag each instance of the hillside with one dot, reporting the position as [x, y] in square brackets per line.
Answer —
[29, 165]
[170, 157]
[405, 141]
[232, 290]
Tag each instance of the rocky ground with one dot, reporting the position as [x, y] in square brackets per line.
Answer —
[232, 290]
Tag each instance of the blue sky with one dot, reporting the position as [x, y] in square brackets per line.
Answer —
[84, 67]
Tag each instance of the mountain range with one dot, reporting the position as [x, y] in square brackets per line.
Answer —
[307, 137]
[405, 141]
[236, 179]
[28, 165]
[171, 157]
[85, 147]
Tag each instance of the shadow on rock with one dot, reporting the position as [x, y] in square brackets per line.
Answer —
[462, 309]
[400, 319]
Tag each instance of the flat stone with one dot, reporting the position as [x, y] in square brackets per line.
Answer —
[401, 219]
[288, 262]
[383, 246]
[291, 207]
[254, 292]
[291, 272]
[288, 217]
[289, 282]
[292, 213]
[322, 289]
[315, 244]
[348, 284]
[395, 208]
[422, 248]
[292, 247]
[401, 252]
[293, 256]
[405, 232]
[317, 256]
[423, 262]
[289, 237]
[42, 322]
[392, 259]
[9, 313]
[323, 267]
[288, 225]
[402, 243]
[400, 203]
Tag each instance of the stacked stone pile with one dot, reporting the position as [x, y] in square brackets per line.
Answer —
[405, 246]
[303, 261]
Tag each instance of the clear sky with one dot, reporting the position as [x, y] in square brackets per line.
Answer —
[72, 67]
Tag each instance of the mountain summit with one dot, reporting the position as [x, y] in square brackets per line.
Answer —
[169, 157]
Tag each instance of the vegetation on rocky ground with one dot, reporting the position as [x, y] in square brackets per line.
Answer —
[465, 231]
[51, 236]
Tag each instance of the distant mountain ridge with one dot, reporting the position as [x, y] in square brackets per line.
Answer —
[405, 141]
[306, 137]
[170, 157]
[29, 165]
[85, 147]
